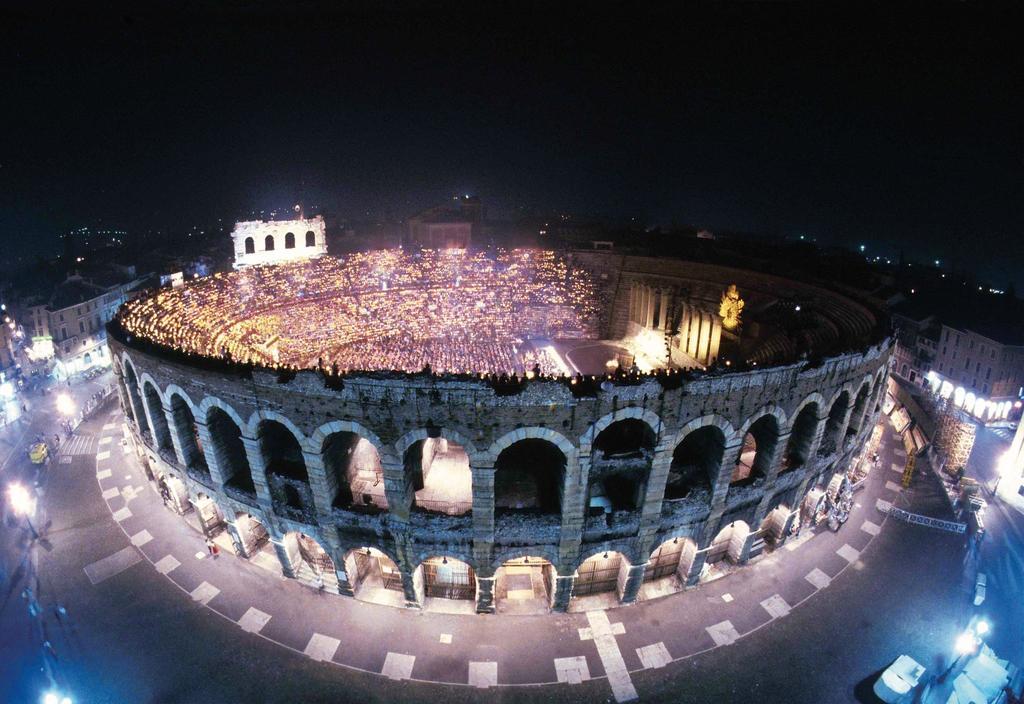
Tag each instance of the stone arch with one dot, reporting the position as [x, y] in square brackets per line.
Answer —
[860, 407]
[183, 425]
[353, 466]
[268, 243]
[598, 426]
[600, 572]
[729, 543]
[373, 574]
[436, 466]
[696, 462]
[533, 432]
[154, 401]
[175, 389]
[672, 556]
[529, 475]
[226, 448]
[504, 554]
[260, 416]
[769, 409]
[621, 456]
[289, 240]
[723, 424]
[209, 402]
[756, 455]
[132, 386]
[835, 422]
[445, 576]
[280, 446]
[311, 562]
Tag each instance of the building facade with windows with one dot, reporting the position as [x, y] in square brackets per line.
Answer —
[277, 241]
[981, 365]
[73, 321]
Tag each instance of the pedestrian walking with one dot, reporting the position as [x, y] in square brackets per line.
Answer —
[212, 547]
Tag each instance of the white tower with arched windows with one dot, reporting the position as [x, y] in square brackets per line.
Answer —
[278, 241]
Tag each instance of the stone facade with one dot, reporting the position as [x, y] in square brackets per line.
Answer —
[841, 397]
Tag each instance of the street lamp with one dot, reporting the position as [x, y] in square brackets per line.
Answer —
[23, 503]
[65, 405]
[966, 643]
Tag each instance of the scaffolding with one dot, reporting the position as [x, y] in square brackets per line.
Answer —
[954, 437]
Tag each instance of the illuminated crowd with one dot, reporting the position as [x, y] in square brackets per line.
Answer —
[452, 310]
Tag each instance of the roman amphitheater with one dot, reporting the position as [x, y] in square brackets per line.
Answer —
[503, 431]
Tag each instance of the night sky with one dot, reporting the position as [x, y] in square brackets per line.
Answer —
[888, 128]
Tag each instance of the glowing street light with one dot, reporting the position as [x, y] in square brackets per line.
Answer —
[23, 503]
[54, 698]
[65, 405]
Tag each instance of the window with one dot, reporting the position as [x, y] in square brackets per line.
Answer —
[81, 326]
[289, 241]
[940, 367]
[967, 364]
[943, 350]
[268, 243]
[972, 344]
[988, 373]
[250, 246]
[310, 239]
[984, 389]
[993, 354]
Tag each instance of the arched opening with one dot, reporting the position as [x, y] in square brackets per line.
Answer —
[250, 245]
[310, 239]
[87, 359]
[161, 433]
[801, 436]
[831, 438]
[755, 459]
[524, 585]
[353, 466]
[255, 540]
[860, 406]
[289, 240]
[668, 568]
[286, 467]
[728, 546]
[529, 476]
[440, 475]
[374, 577]
[229, 452]
[599, 574]
[695, 464]
[135, 399]
[174, 493]
[311, 564]
[268, 243]
[447, 578]
[210, 519]
[620, 464]
[776, 523]
[188, 434]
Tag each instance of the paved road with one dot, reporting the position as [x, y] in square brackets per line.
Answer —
[138, 635]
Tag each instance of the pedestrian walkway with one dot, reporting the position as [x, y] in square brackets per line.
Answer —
[494, 650]
[79, 445]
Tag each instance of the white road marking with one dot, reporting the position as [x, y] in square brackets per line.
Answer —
[776, 606]
[204, 592]
[105, 441]
[111, 493]
[871, 528]
[446, 638]
[141, 538]
[847, 553]
[109, 426]
[122, 514]
[483, 674]
[322, 648]
[112, 564]
[654, 656]
[167, 563]
[103, 455]
[898, 467]
[883, 505]
[893, 486]
[723, 633]
[727, 598]
[253, 620]
[572, 670]
[819, 579]
[611, 657]
[398, 666]
[103, 474]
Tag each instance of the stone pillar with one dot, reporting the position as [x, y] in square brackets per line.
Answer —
[485, 595]
[258, 468]
[287, 566]
[666, 314]
[178, 442]
[650, 513]
[323, 498]
[725, 469]
[633, 581]
[562, 593]
[483, 516]
[210, 454]
[649, 313]
[696, 568]
[397, 488]
[574, 498]
[236, 537]
[412, 585]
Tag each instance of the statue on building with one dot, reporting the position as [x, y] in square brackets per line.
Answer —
[731, 307]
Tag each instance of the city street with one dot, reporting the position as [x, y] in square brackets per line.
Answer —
[147, 625]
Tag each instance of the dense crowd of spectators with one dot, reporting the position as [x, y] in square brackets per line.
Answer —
[450, 310]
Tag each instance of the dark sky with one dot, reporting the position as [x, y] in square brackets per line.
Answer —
[899, 127]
